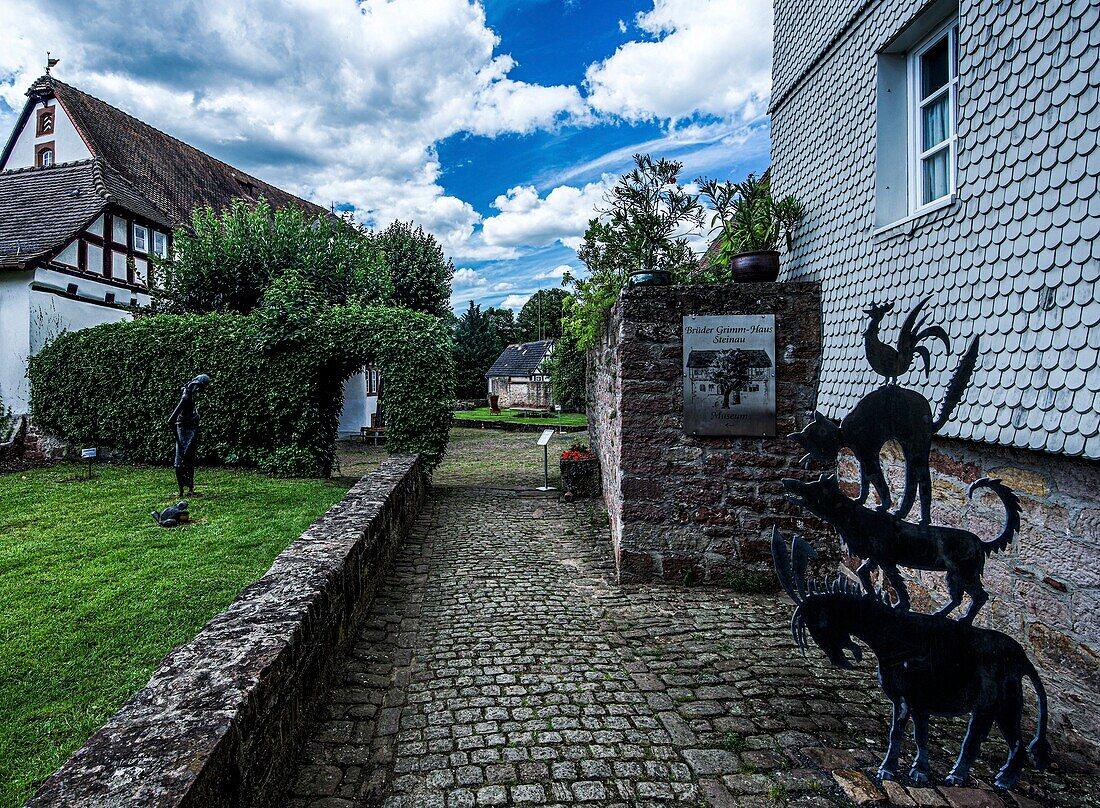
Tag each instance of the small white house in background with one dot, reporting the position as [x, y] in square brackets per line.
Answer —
[87, 195]
[519, 376]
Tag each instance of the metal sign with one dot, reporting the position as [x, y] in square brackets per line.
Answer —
[729, 375]
[87, 454]
[544, 442]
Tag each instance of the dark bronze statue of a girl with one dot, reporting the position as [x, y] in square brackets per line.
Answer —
[184, 421]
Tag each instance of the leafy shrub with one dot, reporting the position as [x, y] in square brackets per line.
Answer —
[275, 396]
[568, 370]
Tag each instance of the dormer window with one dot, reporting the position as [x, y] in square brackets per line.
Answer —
[47, 118]
[44, 155]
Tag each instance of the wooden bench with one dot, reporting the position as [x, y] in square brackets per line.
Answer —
[373, 433]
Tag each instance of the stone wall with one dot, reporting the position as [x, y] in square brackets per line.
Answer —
[526, 393]
[1045, 589]
[698, 508]
[221, 721]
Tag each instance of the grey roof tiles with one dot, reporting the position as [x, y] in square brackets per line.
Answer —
[523, 359]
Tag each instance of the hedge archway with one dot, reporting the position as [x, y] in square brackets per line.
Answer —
[273, 402]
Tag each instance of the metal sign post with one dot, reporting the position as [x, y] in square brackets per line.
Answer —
[544, 442]
[89, 455]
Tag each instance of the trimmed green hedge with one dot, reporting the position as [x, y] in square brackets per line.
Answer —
[273, 402]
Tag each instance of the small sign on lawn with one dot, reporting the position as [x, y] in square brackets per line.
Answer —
[87, 454]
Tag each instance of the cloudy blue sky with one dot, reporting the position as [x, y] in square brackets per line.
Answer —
[497, 124]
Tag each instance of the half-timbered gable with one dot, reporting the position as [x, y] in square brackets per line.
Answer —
[88, 196]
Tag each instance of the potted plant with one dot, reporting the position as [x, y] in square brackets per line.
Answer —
[751, 224]
[648, 212]
[580, 472]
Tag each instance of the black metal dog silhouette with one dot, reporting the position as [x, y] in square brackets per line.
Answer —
[889, 413]
[885, 540]
[927, 665]
[893, 362]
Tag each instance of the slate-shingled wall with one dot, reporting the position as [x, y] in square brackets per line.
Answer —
[1015, 259]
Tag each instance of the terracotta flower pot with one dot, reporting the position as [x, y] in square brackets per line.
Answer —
[754, 267]
[580, 479]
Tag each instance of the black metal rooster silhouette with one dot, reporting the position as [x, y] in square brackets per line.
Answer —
[927, 664]
[894, 362]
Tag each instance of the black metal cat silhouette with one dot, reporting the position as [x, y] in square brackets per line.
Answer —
[884, 540]
[927, 664]
[889, 413]
[894, 362]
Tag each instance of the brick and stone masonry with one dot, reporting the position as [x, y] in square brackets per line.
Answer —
[698, 508]
[1045, 589]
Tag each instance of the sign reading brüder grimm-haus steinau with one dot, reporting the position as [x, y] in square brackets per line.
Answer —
[729, 375]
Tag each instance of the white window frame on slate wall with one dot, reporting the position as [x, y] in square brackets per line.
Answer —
[920, 198]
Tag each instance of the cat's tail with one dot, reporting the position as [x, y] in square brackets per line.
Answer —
[1012, 512]
[959, 382]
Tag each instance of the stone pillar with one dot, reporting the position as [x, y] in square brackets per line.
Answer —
[694, 509]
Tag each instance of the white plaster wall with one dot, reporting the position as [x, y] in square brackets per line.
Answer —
[52, 315]
[68, 144]
[358, 406]
[89, 287]
[14, 339]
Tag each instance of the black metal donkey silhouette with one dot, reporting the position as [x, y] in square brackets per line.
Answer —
[929, 664]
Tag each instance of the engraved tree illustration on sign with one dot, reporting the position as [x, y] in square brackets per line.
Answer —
[730, 372]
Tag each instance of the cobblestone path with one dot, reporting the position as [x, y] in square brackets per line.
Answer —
[501, 666]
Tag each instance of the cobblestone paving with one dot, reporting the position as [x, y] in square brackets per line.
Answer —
[500, 666]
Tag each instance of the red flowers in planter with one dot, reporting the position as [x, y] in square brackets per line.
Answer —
[578, 451]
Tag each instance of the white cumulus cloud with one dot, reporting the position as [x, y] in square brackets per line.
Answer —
[514, 302]
[339, 101]
[706, 56]
[530, 219]
[557, 272]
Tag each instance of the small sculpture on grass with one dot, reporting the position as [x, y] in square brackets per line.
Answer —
[174, 515]
[184, 421]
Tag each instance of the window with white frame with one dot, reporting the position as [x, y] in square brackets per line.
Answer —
[141, 238]
[933, 89]
[160, 244]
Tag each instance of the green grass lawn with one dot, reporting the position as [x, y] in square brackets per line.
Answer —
[94, 594]
[483, 414]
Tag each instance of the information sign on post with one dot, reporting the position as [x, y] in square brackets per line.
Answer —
[729, 375]
[89, 455]
[544, 442]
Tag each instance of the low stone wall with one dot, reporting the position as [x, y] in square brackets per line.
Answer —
[1045, 588]
[221, 721]
[536, 425]
[692, 508]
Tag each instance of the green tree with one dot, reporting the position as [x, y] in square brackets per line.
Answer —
[226, 261]
[420, 273]
[540, 317]
[504, 322]
[476, 346]
[568, 371]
